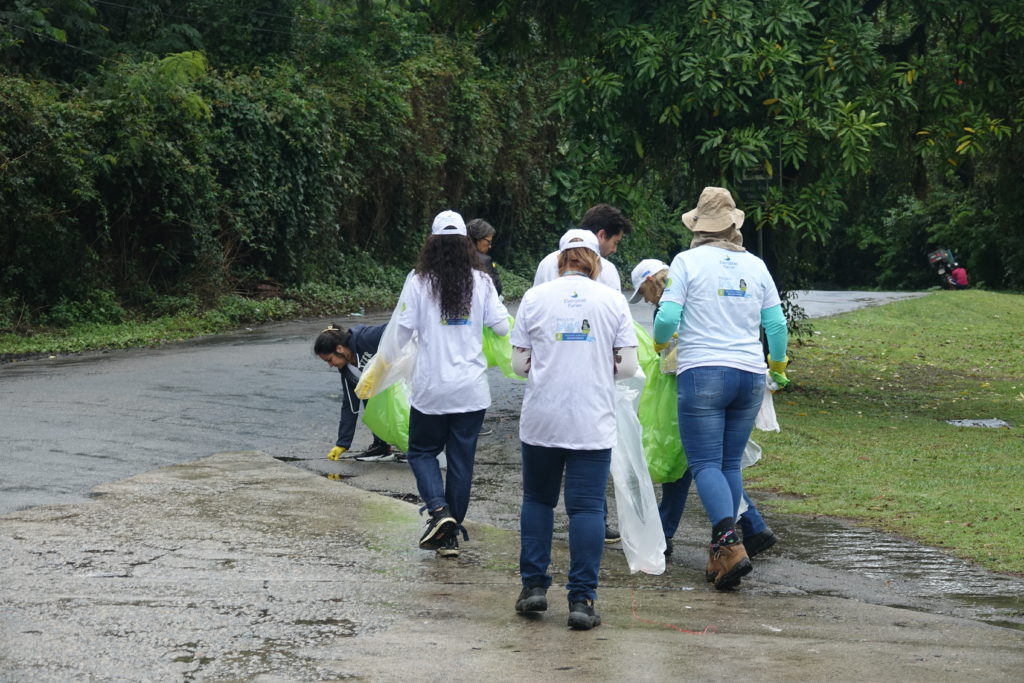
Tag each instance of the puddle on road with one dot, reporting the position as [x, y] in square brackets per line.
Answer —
[926, 575]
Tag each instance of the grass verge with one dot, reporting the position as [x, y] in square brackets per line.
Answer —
[864, 433]
[230, 312]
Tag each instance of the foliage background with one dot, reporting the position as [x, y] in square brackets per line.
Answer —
[159, 155]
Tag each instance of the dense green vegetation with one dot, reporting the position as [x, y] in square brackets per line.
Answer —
[159, 155]
[864, 432]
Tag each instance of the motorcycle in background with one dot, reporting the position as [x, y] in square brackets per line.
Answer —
[944, 263]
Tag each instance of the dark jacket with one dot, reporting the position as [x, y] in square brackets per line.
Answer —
[487, 265]
[363, 343]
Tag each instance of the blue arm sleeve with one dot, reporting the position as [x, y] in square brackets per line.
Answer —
[774, 322]
[668, 320]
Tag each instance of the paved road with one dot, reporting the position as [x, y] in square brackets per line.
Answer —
[72, 422]
[236, 566]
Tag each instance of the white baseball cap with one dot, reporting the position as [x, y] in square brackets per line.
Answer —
[643, 270]
[573, 238]
[448, 223]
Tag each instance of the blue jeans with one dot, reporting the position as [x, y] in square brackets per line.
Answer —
[717, 407]
[586, 475]
[673, 501]
[456, 435]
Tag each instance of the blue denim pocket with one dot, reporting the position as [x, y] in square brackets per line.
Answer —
[708, 382]
[757, 388]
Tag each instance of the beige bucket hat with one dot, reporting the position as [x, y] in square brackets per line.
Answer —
[716, 211]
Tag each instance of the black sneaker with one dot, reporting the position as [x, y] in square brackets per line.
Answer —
[668, 547]
[611, 535]
[486, 431]
[582, 616]
[532, 600]
[450, 547]
[379, 451]
[758, 543]
[440, 525]
[400, 456]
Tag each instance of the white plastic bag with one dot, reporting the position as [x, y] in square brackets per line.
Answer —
[766, 420]
[392, 361]
[751, 454]
[643, 540]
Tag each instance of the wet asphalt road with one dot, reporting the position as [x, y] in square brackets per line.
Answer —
[68, 424]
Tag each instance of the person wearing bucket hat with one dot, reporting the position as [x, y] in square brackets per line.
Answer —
[649, 278]
[572, 337]
[446, 304]
[718, 296]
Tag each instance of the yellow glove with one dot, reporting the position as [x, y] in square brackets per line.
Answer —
[336, 453]
[367, 385]
[658, 348]
[777, 371]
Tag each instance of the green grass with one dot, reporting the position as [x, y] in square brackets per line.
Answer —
[864, 433]
[230, 312]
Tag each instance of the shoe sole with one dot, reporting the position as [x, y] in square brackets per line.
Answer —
[435, 538]
[448, 552]
[376, 458]
[731, 579]
[578, 621]
[613, 540]
[536, 603]
[755, 550]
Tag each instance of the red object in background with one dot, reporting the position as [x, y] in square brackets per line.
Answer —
[959, 276]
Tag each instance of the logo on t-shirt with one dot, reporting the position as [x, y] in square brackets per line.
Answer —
[455, 321]
[574, 300]
[728, 287]
[573, 329]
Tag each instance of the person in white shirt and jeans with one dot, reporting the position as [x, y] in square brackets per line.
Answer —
[571, 337]
[447, 304]
[609, 225]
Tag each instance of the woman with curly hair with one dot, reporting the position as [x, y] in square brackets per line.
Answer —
[446, 303]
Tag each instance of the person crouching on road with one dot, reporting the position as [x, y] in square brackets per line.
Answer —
[349, 351]
[718, 296]
[571, 337]
[447, 303]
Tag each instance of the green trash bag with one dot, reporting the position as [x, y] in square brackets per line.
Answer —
[387, 415]
[498, 351]
[659, 416]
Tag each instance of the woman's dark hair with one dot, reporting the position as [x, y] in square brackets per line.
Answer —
[447, 263]
[479, 229]
[330, 339]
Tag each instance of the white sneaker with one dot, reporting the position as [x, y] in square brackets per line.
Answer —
[386, 457]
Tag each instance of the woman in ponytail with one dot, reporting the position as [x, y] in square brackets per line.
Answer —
[349, 351]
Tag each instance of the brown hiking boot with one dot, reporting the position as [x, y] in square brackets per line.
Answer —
[733, 564]
[713, 567]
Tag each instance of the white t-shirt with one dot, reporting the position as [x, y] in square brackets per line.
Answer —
[722, 293]
[449, 376]
[571, 325]
[547, 270]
